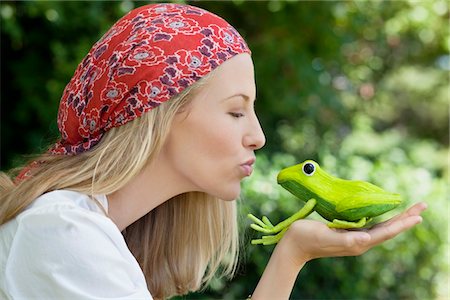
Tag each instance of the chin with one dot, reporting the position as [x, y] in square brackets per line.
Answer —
[229, 198]
[230, 194]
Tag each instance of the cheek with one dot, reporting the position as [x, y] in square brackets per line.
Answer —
[218, 164]
[208, 154]
[218, 144]
[205, 151]
[213, 137]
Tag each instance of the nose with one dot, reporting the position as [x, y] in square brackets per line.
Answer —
[255, 138]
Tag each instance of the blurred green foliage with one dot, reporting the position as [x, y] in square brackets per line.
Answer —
[362, 87]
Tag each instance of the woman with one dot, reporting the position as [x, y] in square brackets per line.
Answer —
[136, 199]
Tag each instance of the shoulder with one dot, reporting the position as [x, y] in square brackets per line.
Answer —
[64, 246]
[61, 199]
[65, 219]
[61, 210]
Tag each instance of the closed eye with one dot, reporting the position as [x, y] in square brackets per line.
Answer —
[236, 115]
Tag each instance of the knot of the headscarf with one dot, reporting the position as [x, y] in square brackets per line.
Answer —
[147, 57]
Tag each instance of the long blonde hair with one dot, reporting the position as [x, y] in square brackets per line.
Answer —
[180, 244]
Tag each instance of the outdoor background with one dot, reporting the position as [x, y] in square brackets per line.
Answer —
[361, 87]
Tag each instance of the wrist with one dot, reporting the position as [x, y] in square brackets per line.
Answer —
[292, 251]
[280, 274]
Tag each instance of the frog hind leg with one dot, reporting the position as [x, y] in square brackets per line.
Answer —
[341, 224]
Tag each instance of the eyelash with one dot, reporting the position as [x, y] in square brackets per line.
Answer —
[236, 115]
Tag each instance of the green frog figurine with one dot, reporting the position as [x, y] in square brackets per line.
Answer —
[345, 203]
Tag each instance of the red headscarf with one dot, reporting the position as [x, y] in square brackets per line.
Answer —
[150, 55]
[147, 57]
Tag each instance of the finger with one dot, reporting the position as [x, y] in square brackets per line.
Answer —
[418, 208]
[389, 231]
[414, 210]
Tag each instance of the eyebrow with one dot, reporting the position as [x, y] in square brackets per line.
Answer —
[246, 98]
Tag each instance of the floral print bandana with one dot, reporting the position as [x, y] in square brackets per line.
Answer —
[150, 55]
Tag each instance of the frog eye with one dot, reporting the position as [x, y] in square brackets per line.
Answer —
[309, 169]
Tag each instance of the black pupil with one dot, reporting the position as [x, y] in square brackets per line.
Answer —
[308, 168]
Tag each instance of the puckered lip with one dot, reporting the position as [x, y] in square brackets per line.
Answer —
[247, 167]
[249, 162]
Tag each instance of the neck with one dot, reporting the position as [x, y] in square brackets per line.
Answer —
[150, 188]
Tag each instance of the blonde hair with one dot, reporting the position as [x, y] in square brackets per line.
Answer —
[180, 244]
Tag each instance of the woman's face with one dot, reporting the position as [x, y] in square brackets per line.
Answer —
[212, 142]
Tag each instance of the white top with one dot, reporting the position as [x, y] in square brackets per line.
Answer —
[64, 247]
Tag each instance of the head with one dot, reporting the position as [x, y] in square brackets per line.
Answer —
[308, 180]
[149, 56]
[167, 82]
[301, 172]
[305, 176]
[212, 141]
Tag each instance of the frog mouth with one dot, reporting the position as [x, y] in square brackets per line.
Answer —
[285, 176]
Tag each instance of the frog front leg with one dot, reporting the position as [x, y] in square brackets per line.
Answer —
[266, 226]
[342, 224]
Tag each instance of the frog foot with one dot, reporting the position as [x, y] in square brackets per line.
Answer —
[269, 239]
[341, 224]
[264, 225]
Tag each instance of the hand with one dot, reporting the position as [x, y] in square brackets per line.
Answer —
[307, 239]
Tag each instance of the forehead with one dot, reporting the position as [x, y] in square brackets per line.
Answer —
[235, 76]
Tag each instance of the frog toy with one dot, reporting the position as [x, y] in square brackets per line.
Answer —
[345, 203]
